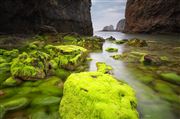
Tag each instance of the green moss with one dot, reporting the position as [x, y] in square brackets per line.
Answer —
[11, 82]
[4, 71]
[116, 57]
[103, 68]
[61, 73]
[171, 77]
[69, 38]
[120, 41]
[44, 100]
[111, 49]
[66, 56]
[166, 92]
[13, 105]
[89, 59]
[137, 42]
[29, 66]
[94, 95]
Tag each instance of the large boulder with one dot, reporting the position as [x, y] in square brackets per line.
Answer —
[149, 16]
[22, 16]
[94, 95]
[108, 28]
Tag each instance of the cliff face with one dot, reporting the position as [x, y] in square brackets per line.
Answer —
[29, 16]
[149, 16]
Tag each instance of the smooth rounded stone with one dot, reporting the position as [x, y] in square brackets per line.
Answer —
[45, 100]
[104, 68]
[94, 95]
[111, 49]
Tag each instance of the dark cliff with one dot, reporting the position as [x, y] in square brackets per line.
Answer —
[153, 16]
[29, 16]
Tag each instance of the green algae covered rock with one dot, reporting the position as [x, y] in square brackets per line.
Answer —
[4, 71]
[103, 68]
[66, 56]
[30, 66]
[116, 57]
[111, 49]
[121, 41]
[94, 95]
[11, 82]
[12, 105]
[137, 43]
[171, 77]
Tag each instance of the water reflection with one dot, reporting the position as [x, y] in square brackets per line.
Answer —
[150, 105]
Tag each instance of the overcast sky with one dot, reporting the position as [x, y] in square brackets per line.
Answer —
[107, 12]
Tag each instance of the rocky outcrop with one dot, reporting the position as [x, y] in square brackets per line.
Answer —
[121, 25]
[149, 16]
[22, 16]
[108, 28]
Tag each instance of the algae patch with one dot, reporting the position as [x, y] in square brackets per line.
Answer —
[94, 95]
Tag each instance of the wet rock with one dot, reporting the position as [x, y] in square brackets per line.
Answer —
[171, 77]
[45, 100]
[123, 41]
[137, 43]
[4, 71]
[67, 56]
[111, 38]
[11, 82]
[104, 68]
[116, 57]
[12, 105]
[89, 98]
[111, 49]
[30, 66]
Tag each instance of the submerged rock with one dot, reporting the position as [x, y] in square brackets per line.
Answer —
[12, 105]
[171, 77]
[111, 49]
[111, 38]
[96, 95]
[103, 68]
[123, 41]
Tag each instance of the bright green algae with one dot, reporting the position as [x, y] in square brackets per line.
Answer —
[94, 95]
[103, 67]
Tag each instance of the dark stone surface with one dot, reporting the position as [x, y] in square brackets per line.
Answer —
[28, 16]
[153, 16]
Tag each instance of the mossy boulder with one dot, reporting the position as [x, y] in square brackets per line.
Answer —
[111, 49]
[103, 68]
[171, 77]
[111, 38]
[94, 95]
[11, 82]
[30, 66]
[67, 56]
[137, 43]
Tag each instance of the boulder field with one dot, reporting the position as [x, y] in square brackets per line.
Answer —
[47, 79]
